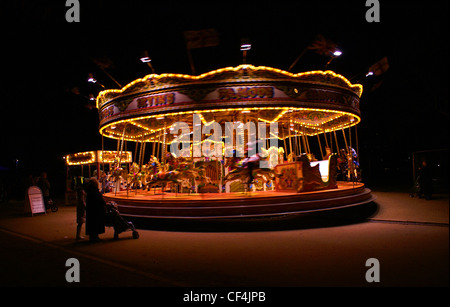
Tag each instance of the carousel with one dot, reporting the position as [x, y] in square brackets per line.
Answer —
[236, 142]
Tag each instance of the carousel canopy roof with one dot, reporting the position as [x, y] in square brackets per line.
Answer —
[307, 103]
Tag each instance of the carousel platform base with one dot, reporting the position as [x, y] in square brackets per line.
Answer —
[154, 204]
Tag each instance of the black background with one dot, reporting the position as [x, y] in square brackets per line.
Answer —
[45, 112]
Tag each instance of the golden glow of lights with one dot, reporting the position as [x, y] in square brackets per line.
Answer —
[90, 157]
[108, 156]
[79, 158]
[356, 87]
[276, 118]
[117, 134]
[203, 119]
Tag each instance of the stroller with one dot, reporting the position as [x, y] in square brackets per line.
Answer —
[114, 219]
[51, 205]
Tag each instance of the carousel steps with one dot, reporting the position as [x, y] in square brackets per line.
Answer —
[240, 205]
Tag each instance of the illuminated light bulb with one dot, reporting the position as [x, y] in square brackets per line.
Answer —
[245, 47]
[91, 79]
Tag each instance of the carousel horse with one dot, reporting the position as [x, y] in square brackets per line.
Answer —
[163, 178]
[150, 169]
[176, 171]
[117, 174]
[247, 170]
[236, 170]
[134, 176]
[155, 175]
[273, 155]
[231, 163]
[171, 162]
[201, 179]
[188, 172]
[153, 165]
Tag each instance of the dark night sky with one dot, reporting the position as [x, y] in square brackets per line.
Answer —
[44, 58]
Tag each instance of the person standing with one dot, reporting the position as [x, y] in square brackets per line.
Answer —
[81, 205]
[44, 185]
[95, 210]
[425, 181]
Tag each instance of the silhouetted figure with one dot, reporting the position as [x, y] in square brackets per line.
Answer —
[425, 181]
[44, 185]
[95, 210]
[81, 205]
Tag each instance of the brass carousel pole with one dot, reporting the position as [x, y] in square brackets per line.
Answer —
[135, 151]
[295, 143]
[159, 142]
[290, 141]
[345, 140]
[350, 136]
[143, 145]
[304, 141]
[285, 147]
[336, 141]
[143, 153]
[320, 146]
[139, 162]
[121, 143]
[307, 144]
[153, 146]
[299, 143]
[326, 140]
[163, 153]
[119, 152]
